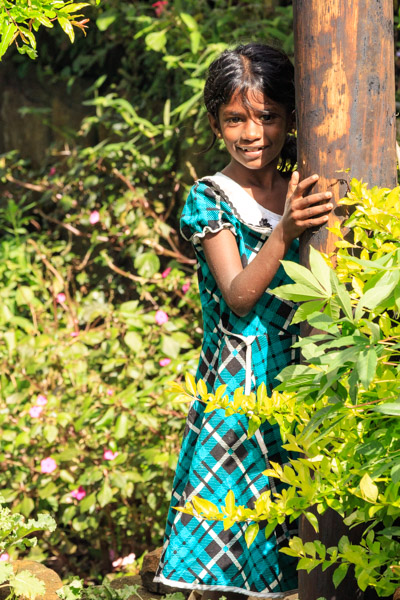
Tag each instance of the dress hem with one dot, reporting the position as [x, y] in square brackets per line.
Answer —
[222, 588]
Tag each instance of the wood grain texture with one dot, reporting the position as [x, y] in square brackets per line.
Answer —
[346, 114]
[345, 91]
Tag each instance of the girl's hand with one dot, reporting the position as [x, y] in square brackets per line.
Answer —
[302, 212]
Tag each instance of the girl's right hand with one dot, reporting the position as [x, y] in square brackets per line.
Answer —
[302, 212]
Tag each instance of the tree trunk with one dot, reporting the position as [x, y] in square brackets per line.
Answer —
[346, 119]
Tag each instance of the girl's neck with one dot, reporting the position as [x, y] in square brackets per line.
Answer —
[266, 186]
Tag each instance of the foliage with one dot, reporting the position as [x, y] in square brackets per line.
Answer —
[99, 306]
[76, 591]
[14, 532]
[22, 19]
[96, 315]
[338, 412]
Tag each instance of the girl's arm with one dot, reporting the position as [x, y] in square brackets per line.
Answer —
[242, 287]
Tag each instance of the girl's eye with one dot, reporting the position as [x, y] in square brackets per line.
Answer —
[267, 117]
[234, 120]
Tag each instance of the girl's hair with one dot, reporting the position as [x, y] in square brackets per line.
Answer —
[253, 67]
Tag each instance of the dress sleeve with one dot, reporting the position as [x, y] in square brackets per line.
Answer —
[205, 212]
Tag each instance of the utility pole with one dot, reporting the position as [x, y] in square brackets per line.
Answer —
[346, 119]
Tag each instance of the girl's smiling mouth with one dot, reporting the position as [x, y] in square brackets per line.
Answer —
[251, 149]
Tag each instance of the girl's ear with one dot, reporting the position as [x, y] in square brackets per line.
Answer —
[214, 124]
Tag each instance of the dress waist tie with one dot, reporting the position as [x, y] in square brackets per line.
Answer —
[248, 340]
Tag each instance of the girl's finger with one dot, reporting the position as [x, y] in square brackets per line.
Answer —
[294, 180]
[305, 202]
[304, 185]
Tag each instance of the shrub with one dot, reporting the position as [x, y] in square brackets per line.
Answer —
[339, 412]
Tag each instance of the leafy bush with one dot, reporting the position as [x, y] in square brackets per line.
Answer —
[96, 315]
[21, 20]
[14, 532]
[339, 412]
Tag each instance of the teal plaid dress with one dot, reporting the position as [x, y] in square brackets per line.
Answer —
[216, 455]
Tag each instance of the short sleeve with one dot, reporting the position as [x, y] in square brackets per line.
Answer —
[205, 212]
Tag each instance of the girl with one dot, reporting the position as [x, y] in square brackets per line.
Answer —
[242, 222]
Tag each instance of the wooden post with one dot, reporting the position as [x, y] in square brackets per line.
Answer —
[346, 114]
[346, 117]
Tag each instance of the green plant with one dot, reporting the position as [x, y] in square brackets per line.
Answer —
[22, 19]
[338, 412]
[16, 532]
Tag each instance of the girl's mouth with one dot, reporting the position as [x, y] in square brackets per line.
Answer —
[251, 149]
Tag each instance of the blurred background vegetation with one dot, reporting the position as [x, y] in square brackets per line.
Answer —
[100, 141]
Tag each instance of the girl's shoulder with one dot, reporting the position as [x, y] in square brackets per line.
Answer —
[207, 210]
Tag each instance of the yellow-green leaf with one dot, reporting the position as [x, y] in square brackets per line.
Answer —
[251, 533]
[369, 490]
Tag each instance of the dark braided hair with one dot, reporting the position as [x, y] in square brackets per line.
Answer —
[253, 67]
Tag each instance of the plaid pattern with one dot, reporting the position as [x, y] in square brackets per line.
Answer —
[216, 455]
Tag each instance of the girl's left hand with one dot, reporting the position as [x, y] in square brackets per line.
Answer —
[302, 212]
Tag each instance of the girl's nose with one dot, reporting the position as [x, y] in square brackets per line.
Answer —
[253, 130]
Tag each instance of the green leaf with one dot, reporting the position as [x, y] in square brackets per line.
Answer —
[366, 366]
[306, 309]
[189, 21]
[190, 384]
[312, 520]
[395, 474]
[6, 571]
[369, 490]
[372, 298]
[147, 264]
[106, 19]
[134, 341]
[7, 34]
[205, 507]
[156, 40]
[67, 28]
[298, 292]
[303, 276]
[321, 270]
[70, 8]
[121, 426]
[105, 495]
[251, 533]
[339, 574]
[169, 346]
[390, 408]
[26, 585]
[230, 502]
[26, 506]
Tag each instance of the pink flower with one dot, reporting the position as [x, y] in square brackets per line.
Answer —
[79, 494]
[48, 465]
[109, 392]
[164, 362]
[4, 557]
[61, 298]
[165, 273]
[186, 287]
[109, 455]
[159, 7]
[35, 411]
[74, 333]
[52, 171]
[94, 217]
[41, 400]
[124, 561]
[161, 317]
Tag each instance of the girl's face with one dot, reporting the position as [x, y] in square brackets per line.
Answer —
[254, 133]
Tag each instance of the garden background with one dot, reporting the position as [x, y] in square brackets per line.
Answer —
[100, 142]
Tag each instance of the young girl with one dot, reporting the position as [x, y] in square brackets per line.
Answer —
[242, 222]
